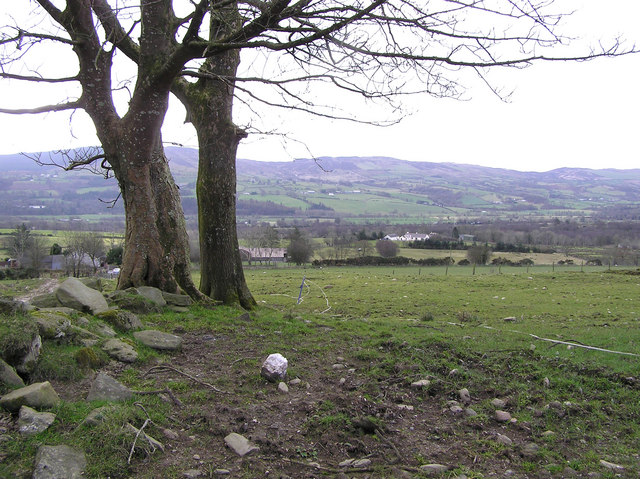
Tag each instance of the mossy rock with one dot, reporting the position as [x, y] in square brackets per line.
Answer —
[132, 301]
[49, 300]
[88, 358]
[121, 320]
[17, 334]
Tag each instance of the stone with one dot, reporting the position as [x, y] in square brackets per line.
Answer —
[144, 439]
[106, 388]
[222, 472]
[456, 409]
[274, 368]
[546, 383]
[37, 396]
[502, 439]
[152, 294]
[73, 294]
[405, 407]
[240, 444]
[464, 395]
[48, 300]
[283, 388]
[9, 377]
[170, 434]
[611, 465]
[433, 469]
[105, 330]
[470, 412]
[295, 382]
[32, 422]
[56, 462]
[498, 403]
[96, 416]
[159, 340]
[9, 307]
[357, 463]
[27, 363]
[121, 320]
[51, 325]
[130, 300]
[177, 299]
[192, 474]
[120, 350]
[529, 450]
[502, 416]
[510, 319]
[421, 384]
[338, 366]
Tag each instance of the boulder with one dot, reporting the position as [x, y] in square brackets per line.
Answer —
[274, 368]
[56, 462]
[121, 320]
[32, 422]
[131, 300]
[152, 294]
[92, 282]
[120, 350]
[73, 294]
[51, 325]
[37, 395]
[10, 307]
[159, 340]
[177, 299]
[9, 377]
[106, 388]
[49, 300]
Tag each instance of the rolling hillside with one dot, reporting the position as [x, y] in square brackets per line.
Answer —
[350, 187]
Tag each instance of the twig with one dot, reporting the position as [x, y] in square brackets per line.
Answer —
[389, 443]
[147, 421]
[243, 359]
[328, 469]
[165, 367]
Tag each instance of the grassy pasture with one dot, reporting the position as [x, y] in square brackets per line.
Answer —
[597, 308]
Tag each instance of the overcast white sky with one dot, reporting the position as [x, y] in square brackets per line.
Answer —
[578, 115]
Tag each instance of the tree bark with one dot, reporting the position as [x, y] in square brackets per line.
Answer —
[209, 103]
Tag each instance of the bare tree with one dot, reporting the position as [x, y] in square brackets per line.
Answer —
[380, 50]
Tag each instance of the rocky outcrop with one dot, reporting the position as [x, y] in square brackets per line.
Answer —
[74, 294]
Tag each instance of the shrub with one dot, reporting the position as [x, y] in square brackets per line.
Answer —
[386, 248]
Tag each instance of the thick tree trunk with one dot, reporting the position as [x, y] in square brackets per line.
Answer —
[209, 104]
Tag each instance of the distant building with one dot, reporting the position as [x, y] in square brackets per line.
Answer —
[414, 237]
[465, 238]
[266, 255]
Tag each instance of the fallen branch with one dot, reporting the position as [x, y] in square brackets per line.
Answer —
[165, 368]
[166, 391]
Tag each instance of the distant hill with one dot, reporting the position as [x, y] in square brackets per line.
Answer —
[350, 187]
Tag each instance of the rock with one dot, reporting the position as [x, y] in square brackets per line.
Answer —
[405, 407]
[421, 384]
[283, 388]
[73, 294]
[120, 350]
[152, 294]
[274, 368]
[158, 340]
[27, 363]
[32, 422]
[546, 383]
[121, 320]
[9, 307]
[464, 395]
[177, 299]
[130, 300]
[510, 319]
[456, 409]
[240, 444]
[105, 330]
[502, 416]
[9, 377]
[243, 317]
[106, 388]
[56, 462]
[49, 300]
[37, 396]
[548, 433]
[192, 474]
[498, 403]
[359, 463]
[470, 412]
[502, 439]
[96, 416]
[529, 450]
[222, 472]
[295, 382]
[170, 434]
[611, 465]
[144, 439]
[51, 325]
[433, 469]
